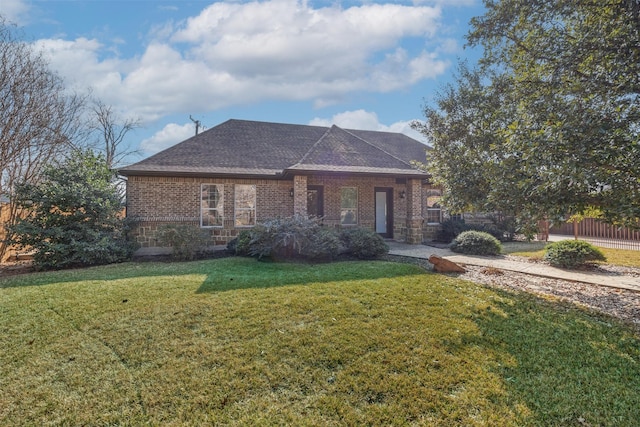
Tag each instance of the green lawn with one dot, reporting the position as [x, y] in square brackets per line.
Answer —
[535, 250]
[238, 342]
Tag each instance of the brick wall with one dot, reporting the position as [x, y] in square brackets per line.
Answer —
[366, 200]
[163, 200]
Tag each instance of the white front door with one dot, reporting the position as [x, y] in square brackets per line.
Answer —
[381, 212]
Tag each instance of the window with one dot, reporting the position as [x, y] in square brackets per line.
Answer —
[348, 206]
[211, 205]
[245, 206]
[434, 210]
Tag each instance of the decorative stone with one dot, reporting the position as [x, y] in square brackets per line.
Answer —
[442, 265]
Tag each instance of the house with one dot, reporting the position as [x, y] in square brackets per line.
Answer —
[240, 172]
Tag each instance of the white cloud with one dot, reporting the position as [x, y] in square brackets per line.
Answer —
[242, 53]
[367, 120]
[14, 10]
[170, 135]
[79, 62]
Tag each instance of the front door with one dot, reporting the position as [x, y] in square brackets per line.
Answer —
[384, 211]
[315, 201]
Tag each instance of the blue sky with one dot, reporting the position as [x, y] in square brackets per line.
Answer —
[357, 64]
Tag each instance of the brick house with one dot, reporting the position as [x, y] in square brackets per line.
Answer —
[241, 172]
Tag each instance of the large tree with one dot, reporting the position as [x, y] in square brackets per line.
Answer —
[111, 130]
[39, 119]
[549, 122]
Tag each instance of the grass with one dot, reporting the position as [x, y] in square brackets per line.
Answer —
[535, 250]
[238, 342]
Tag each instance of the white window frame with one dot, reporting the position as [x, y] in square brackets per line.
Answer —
[353, 209]
[205, 207]
[241, 210]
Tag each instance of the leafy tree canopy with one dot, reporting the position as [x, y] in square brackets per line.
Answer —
[549, 121]
[75, 215]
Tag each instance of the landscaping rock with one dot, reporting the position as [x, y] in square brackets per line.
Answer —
[442, 265]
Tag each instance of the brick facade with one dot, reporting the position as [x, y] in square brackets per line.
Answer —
[159, 200]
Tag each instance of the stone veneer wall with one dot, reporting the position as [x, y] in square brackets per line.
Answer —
[157, 201]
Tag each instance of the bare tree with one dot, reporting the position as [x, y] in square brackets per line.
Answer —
[39, 119]
[112, 130]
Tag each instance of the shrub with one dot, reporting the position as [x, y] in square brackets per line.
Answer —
[187, 241]
[74, 215]
[324, 245]
[449, 229]
[572, 253]
[240, 245]
[363, 243]
[476, 243]
[289, 238]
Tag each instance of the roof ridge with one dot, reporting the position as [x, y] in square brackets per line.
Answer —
[376, 147]
[315, 144]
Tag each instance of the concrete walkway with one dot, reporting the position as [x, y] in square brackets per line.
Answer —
[503, 263]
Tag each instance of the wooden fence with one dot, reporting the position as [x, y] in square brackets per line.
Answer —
[601, 234]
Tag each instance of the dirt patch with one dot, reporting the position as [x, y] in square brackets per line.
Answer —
[13, 268]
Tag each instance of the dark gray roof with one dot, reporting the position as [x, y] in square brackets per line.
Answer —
[250, 148]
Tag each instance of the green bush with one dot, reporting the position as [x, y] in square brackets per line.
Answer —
[240, 245]
[186, 241]
[324, 245]
[75, 215]
[476, 243]
[503, 228]
[297, 237]
[449, 229]
[363, 243]
[572, 253]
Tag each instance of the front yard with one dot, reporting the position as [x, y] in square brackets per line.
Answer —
[535, 251]
[239, 342]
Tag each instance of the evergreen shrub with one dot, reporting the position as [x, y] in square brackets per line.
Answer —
[476, 243]
[572, 253]
[74, 215]
[186, 241]
[363, 243]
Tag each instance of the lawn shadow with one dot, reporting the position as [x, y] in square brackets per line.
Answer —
[252, 274]
[567, 366]
[223, 274]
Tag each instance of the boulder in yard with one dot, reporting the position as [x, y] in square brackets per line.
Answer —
[442, 265]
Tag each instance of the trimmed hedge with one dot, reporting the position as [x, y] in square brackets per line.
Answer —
[304, 238]
[186, 241]
[363, 243]
[296, 237]
[572, 253]
[476, 243]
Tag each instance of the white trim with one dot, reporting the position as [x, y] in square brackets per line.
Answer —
[221, 191]
[236, 209]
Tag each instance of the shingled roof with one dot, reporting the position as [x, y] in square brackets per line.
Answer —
[262, 149]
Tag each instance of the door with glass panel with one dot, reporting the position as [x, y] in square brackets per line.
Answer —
[384, 211]
[315, 201]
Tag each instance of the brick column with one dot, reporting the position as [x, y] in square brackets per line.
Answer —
[414, 211]
[300, 195]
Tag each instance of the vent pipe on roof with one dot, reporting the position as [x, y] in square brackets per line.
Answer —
[197, 122]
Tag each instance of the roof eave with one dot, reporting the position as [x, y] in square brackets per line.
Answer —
[203, 174]
[415, 174]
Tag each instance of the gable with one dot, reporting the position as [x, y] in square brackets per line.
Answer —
[338, 147]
